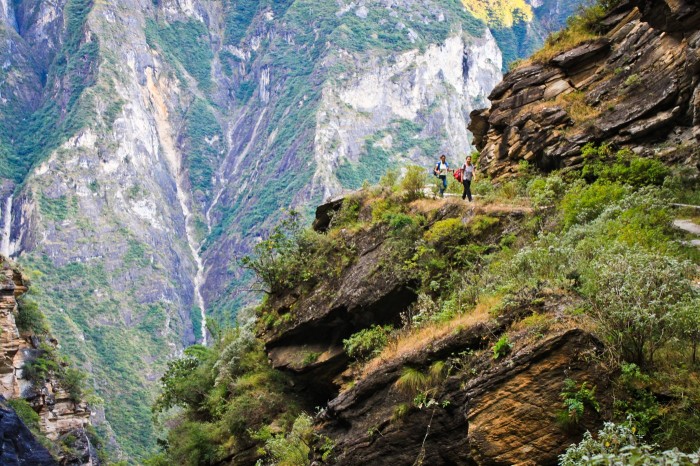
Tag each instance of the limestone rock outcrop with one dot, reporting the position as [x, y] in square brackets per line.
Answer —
[637, 86]
[59, 415]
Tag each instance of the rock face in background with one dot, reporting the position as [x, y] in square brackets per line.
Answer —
[59, 415]
[636, 86]
[143, 145]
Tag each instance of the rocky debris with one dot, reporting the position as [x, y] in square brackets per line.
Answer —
[505, 415]
[59, 415]
[634, 86]
[18, 446]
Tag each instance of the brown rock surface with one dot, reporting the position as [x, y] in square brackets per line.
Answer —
[505, 415]
[636, 85]
[58, 414]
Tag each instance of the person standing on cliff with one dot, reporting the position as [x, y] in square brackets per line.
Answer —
[441, 169]
[467, 178]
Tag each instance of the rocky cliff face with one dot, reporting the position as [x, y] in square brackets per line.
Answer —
[475, 408]
[59, 414]
[19, 446]
[145, 144]
[636, 87]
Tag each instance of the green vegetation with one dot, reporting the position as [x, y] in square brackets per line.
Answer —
[600, 240]
[204, 146]
[575, 400]
[29, 318]
[27, 136]
[227, 398]
[116, 333]
[620, 444]
[186, 43]
[502, 347]
[367, 343]
[580, 28]
[289, 257]
[26, 413]
[293, 448]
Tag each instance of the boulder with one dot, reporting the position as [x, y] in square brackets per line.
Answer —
[324, 213]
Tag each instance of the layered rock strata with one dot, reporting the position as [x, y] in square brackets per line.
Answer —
[59, 415]
[478, 411]
[636, 86]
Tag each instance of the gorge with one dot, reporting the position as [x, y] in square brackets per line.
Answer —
[145, 145]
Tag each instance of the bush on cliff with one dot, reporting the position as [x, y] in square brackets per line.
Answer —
[621, 444]
[29, 318]
[290, 256]
[221, 396]
[367, 343]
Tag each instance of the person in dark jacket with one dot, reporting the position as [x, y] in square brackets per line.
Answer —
[441, 170]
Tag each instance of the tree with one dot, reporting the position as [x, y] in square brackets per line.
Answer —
[273, 257]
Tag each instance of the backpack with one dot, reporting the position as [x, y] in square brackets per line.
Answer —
[458, 175]
[436, 170]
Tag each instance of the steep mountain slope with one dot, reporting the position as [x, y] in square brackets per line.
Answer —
[144, 145]
[566, 298]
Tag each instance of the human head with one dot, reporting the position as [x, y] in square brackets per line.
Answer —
[442, 157]
[469, 159]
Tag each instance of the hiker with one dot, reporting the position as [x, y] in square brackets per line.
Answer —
[467, 177]
[440, 170]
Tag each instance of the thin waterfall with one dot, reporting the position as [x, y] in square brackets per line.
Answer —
[6, 228]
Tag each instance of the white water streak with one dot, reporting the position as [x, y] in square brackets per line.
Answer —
[174, 160]
[6, 228]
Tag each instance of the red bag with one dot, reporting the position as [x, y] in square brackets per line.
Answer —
[458, 175]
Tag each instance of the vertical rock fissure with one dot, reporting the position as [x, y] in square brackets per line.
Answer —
[240, 158]
[6, 228]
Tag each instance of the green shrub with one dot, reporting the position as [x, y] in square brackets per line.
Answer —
[502, 347]
[25, 412]
[636, 402]
[546, 191]
[367, 343]
[584, 203]
[481, 224]
[295, 447]
[447, 231]
[389, 179]
[73, 381]
[37, 370]
[348, 215]
[635, 298]
[621, 445]
[413, 182]
[575, 399]
[384, 208]
[29, 318]
[624, 167]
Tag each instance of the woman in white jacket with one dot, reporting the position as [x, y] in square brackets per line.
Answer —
[468, 173]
